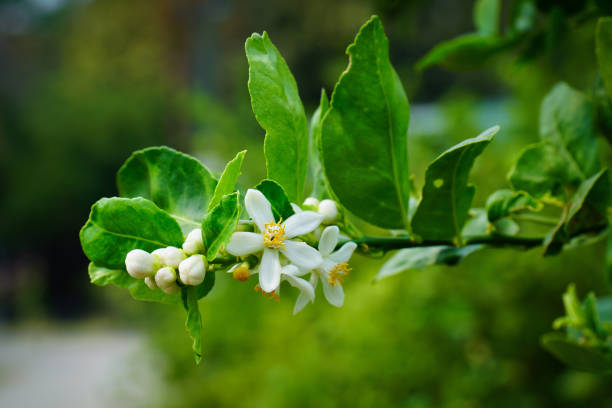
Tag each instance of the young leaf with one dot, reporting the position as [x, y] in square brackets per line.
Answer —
[446, 195]
[364, 134]
[279, 111]
[193, 323]
[176, 182]
[464, 52]
[576, 356]
[281, 207]
[502, 203]
[418, 258]
[315, 169]
[102, 276]
[486, 17]
[228, 179]
[219, 224]
[118, 225]
[603, 48]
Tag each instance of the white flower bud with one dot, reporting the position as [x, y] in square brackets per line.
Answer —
[329, 210]
[165, 277]
[169, 256]
[150, 282]
[312, 203]
[140, 264]
[194, 244]
[192, 270]
[173, 288]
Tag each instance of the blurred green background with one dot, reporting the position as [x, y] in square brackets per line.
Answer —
[83, 83]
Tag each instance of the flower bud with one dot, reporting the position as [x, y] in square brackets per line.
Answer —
[240, 271]
[140, 264]
[169, 290]
[150, 282]
[194, 244]
[165, 278]
[311, 203]
[192, 270]
[169, 256]
[329, 210]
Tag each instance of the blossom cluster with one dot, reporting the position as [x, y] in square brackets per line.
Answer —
[159, 268]
[283, 257]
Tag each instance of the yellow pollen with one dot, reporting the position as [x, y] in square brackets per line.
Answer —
[269, 295]
[274, 235]
[241, 273]
[336, 275]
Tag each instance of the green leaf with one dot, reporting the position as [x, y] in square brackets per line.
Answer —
[364, 134]
[603, 49]
[102, 276]
[486, 16]
[447, 197]
[118, 225]
[281, 207]
[228, 179]
[585, 211]
[279, 111]
[418, 258]
[467, 51]
[315, 171]
[609, 259]
[176, 182]
[219, 224]
[579, 357]
[193, 323]
[502, 203]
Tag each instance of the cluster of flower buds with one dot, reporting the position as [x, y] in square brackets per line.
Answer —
[327, 208]
[159, 268]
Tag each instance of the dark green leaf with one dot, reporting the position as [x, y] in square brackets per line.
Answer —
[281, 207]
[193, 323]
[505, 202]
[118, 225]
[576, 356]
[446, 195]
[364, 134]
[175, 182]
[278, 109]
[119, 277]
[418, 258]
[467, 51]
[603, 48]
[219, 224]
[228, 179]
[486, 16]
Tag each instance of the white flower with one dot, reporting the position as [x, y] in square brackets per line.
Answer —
[311, 203]
[165, 278]
[329, 210]
[192, 270]
[291, 274]
[140, 264]
[169, 256]
[275, 238]
[332, 270]
[194, 244]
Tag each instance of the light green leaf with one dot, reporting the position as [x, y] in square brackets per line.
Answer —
[603, 49]
[118, 225]
[579, 357]
[486, 16]
[364, 134]
[447, 197]
[193, 323]
[219, 224]
[279, 111]
[102, 276]
[281, 207]
[315, 169]
[502, 203]
[228, 179]
[467, 51]
[418, 258]
[175, 182]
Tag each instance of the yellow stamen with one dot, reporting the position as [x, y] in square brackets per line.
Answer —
[336, 275]
[269, 295]
[274, 235]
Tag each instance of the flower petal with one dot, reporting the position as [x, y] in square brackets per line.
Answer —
[344, 253]
[302, 254]
[333, 294]
[303, 299]
[302, 223]
[303, 285]
[269, 270]
[244, 243]
[328, 241]
[258, 207]
[296, 208]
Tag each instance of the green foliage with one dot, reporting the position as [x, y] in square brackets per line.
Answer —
[118, 225]
[228, 179]
[603, 49]
[502, 203]
[281, 207]
[278, 109]
[446, 195]
[364, 134]
[177, 183]
[193, 323]
[486, 16]
[219, 224]
[316, 173]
